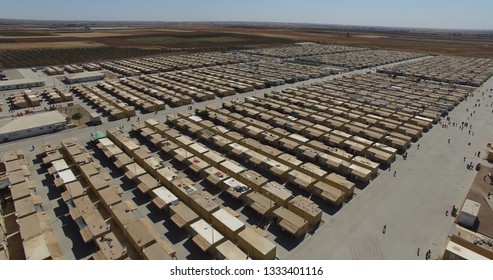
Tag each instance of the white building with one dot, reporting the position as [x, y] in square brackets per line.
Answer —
[84, 77]
[303, 44]
[21, 83]
[469, 213]
[33, 125]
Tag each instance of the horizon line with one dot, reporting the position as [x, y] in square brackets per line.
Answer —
[257, 22]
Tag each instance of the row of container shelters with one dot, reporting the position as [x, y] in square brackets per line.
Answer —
[193, 210]
[34, 226]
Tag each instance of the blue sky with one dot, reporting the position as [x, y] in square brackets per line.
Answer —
[463, 14]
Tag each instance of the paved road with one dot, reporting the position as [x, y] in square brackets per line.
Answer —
[412, 205]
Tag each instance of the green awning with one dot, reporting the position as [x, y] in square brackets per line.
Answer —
[96, 135]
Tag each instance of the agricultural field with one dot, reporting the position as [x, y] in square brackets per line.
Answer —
[80, 47]
[44, 57]
[187, 40]
[436, 43]
[26, 48]
[169, 40]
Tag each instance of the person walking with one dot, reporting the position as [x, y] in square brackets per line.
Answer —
[384, 229]
[417, 252]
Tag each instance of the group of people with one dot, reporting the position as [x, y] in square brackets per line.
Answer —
[470, 166]
[428, 254]
[466, 125]
[20, 114]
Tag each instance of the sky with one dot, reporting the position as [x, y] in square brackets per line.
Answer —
[452, 14]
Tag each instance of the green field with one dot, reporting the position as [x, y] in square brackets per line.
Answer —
[169, 40]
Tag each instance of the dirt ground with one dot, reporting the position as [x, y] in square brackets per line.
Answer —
[70, 110]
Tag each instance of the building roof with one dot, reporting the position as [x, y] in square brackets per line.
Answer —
[230, 252]
[471, 207]
[165, 195]
[260, 243]
[33, 121]
[84, 75]
[206, 231]
[464, 252]
[228, 220]
[19, 82]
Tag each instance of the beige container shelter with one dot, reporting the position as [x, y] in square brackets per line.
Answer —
[257, 246]
[182, 215]
[227, 224]
[290, 222]
[206, 237]
[260, 204]
[229, 251]
[306, 209]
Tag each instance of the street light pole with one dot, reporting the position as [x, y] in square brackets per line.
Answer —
[212, 233]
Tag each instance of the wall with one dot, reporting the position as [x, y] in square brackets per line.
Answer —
[466, 219]
[19, 86]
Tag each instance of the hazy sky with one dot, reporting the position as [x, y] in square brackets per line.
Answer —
[465, 14]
